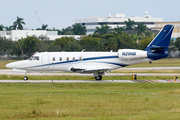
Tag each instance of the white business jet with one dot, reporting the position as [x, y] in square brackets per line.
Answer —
[95, 62]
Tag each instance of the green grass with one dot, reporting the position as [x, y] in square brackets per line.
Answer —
[91, 101]
[71, 77]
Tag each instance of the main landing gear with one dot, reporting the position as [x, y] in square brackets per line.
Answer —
[98, 75]
[25, 77]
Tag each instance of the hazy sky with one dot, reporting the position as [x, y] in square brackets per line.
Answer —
[62, 13]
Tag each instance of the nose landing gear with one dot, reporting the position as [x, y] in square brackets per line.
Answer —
[25, 77]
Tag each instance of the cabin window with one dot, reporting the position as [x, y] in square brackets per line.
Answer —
[36, 57]
[74, 58]
[53, 58]
[80, 58]
[60, 58]
[30, 58]
[67, 59]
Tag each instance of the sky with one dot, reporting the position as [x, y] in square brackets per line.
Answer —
[62, 13]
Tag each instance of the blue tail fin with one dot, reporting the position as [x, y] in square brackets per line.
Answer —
[158, 48]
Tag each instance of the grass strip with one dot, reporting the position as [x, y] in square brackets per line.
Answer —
[79, 101]
[70, 77]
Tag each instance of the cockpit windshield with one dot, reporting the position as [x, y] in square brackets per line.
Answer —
[34, 57]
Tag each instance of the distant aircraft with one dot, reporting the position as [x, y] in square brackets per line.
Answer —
[96, 62]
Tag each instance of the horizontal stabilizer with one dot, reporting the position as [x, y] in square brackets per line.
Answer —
[160, 47]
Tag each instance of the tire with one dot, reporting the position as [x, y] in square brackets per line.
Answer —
[25, 78]
[98, 77]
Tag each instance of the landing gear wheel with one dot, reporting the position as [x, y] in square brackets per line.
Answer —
[25, 78]
[98, 77]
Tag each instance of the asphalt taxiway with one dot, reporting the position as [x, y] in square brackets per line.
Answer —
[89, 81]
[11, 72]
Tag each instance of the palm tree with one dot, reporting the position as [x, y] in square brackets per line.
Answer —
[43, 27]
[62, 32]
[141, 28]
[58, 31]
[78, 29]
[10, 28]
[66, 31]
[129, 24]
[18, 24]
[21, 44]
[1, 27]
[102, 30]
[54, 29]
[149, 34]
[119, 28]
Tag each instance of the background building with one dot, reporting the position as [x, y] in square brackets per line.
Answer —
[176, 32]
[15, 35]
[115, 20]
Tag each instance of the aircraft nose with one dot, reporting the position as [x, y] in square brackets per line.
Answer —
[10, 65]
[16, 65]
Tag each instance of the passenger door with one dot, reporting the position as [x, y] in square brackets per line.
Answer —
[45, 61]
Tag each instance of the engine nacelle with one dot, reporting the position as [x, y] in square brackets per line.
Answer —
[131, 54]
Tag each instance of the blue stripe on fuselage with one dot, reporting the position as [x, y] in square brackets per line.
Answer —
[85, 59]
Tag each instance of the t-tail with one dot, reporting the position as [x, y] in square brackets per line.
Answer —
[158, 48]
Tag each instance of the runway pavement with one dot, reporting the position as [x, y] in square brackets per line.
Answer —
[89, 81]
[11, 72]
[65, 81]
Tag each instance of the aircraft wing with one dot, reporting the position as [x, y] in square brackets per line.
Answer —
[89, 70]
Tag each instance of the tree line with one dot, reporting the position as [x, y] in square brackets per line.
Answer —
[101, 40]
[95, 42]
[78, 29]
